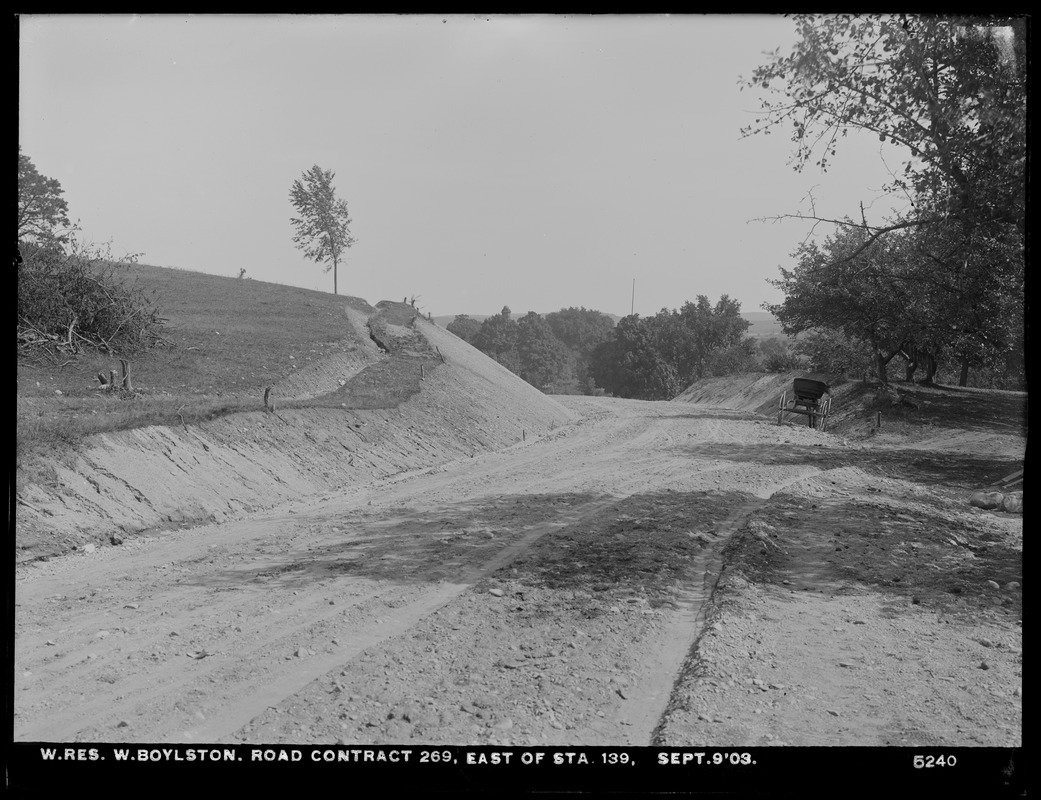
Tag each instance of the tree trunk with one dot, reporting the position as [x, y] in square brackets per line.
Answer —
[336, 263]
[963, 379]
[911, 356]
[930, 369]
[909, 370]
[880, 367]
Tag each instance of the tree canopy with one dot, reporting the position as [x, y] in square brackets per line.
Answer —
[322, 230]
[542, 357]
[465, 327]
[657, 357]
[497, 337]
[42, 211]
[629, 364]
[947, 274]
[951, 92]
[582, 351]
[580, 330]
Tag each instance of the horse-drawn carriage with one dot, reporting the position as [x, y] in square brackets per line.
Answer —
[809, 397]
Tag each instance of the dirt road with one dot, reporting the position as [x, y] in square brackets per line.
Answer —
[551, 593]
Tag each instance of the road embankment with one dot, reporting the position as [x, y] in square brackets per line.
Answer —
[117, 484]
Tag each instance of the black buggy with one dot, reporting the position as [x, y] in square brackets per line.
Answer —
[809, 397]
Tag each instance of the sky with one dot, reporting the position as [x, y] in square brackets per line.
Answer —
[539, 162]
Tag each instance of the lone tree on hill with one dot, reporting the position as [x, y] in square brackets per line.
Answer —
[323, 227]
[41, 208]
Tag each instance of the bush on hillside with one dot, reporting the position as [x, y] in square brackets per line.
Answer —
[70, 300]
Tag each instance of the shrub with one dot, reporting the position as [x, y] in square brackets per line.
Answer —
[75, 299]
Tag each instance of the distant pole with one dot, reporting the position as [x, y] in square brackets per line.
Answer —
[632, 303]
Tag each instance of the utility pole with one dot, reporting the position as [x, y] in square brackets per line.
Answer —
[632, 303]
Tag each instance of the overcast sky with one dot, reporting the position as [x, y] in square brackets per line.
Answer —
[538, 162]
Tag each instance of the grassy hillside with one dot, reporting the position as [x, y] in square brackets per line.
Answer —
[227, 340]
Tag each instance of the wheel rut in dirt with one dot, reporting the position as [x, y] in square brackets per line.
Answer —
[860, 608]
[264, 626]
[646, 704]
[578, 640]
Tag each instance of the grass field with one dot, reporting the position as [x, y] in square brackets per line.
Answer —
[228, 339]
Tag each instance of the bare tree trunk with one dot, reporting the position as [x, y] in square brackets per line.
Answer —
[72, 326]
[963, 379]
[126, 375]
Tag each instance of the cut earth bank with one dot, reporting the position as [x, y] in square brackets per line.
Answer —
[484, 564]
[161, 477]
